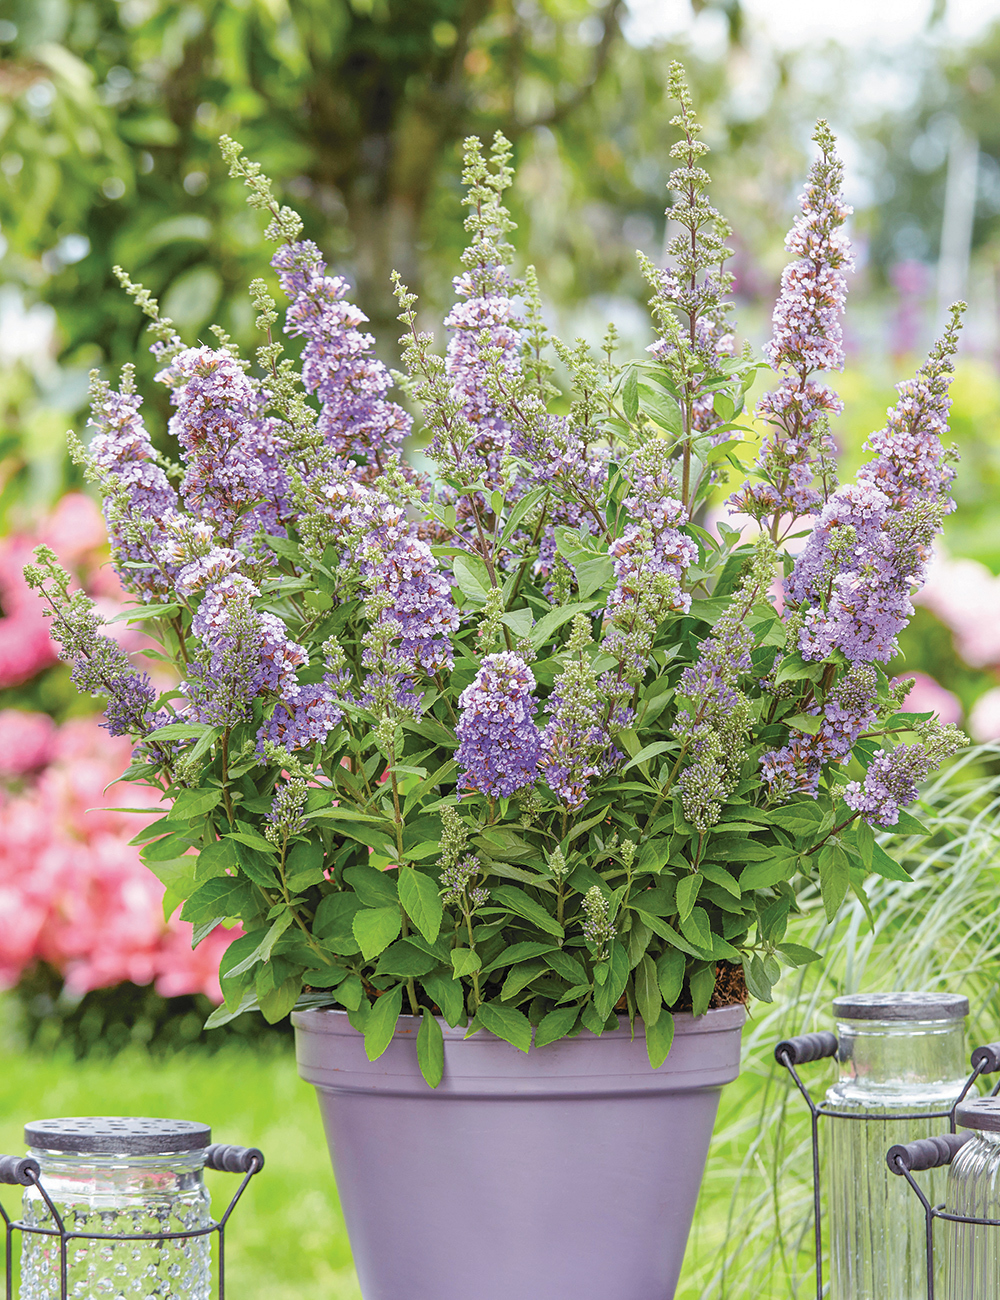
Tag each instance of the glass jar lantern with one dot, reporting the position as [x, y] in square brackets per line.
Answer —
[902, 1069]
[117, 1207]
[972, 1250]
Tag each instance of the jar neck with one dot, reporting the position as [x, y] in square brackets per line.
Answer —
[894, 1053]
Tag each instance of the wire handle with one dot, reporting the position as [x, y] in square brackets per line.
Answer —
[927, 1153]
[234, 1160]
[19, 1171]
[808, 1047]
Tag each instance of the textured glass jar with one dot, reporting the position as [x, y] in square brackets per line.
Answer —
[972, 1251]
[900, 1054]
[118, 1176]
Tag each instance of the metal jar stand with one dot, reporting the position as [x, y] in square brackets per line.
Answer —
[792, 1052]
[24, 1171]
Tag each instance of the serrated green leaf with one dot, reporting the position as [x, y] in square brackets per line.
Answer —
[557, 1024]
[756, 979]
[519, 510]
[375, 888]
[834, 878]
[909, 825]
[696, 929]
[702, 985]
[448, 996]
[518, 902]
[507, 1023]
[630, 395]
[166, 849]
[798, 954]
[253, 840]
[218, 898]
[551, 622]
[405, 960]
[660, 1039]
[334, 923]
[762, 875]
[381, 1023]
[472, 577]
[884, 865]
[520, 621]
[215, 859]
[648, 998]
[607, 994]
[687, 895]
[520, 977]
[421, 901]
[647, 752]
[177, 731]
[278, 1002]
[375, 928]
[194, 803]
[465, 962]
[808, 722]
[670, 971]
[430, 1049]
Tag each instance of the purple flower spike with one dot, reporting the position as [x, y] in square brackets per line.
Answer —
[499, 742]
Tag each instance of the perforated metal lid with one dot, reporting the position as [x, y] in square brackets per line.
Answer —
[110, 1135]
[901, 1006]
[981, 1113]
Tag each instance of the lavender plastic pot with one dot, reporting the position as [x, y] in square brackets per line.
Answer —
[569, 1173]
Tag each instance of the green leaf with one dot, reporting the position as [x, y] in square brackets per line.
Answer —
[381, 1023]
[375, 928]
[405, 960]
[518, 952]
[648, 751]
[256, 866]
[520, 977]
[472, 577]
[630, 395]
[908, 825]
[668, 932]
[834, 878]
[520, 621]
[670, 970]
[351, 993]
[557, 1024]
[507, 1023]
[687, 895]
[864, 839]
[517, 901]
[810, 723]
[798, 954]
[522, 508]
[421, 901]
[660, 408]
[702, 985]
[223, 1014]
[608, 993]
[793, 668]
[215, 859]
[551, 622]
[756, 979]
[304, 865]
[375, 888]
[448, 995]
[696, 928]
[762, 875]
[194, 803]
[430, 1049]
[647, 992]
[334, 923]
[567, 967]
[263, 949]
[252, 839]
[659, 1039]
[884, 865]
[465, 961]
[218, 898]
[178, 731]
[277, 1003]
[167, 849]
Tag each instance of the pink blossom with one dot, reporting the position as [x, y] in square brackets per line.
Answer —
[928, 696]
[27, 741]
[965, 596]
[984, 720]
[73, 892]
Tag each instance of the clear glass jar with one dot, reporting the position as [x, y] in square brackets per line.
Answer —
[899, 1054]
[971, 1251]
[118, 1176]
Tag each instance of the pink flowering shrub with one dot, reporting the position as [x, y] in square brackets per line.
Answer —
[73, 892]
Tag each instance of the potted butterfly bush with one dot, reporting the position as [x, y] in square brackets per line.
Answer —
[514, 772]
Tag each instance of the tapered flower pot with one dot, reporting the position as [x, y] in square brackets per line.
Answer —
[569, 1173]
